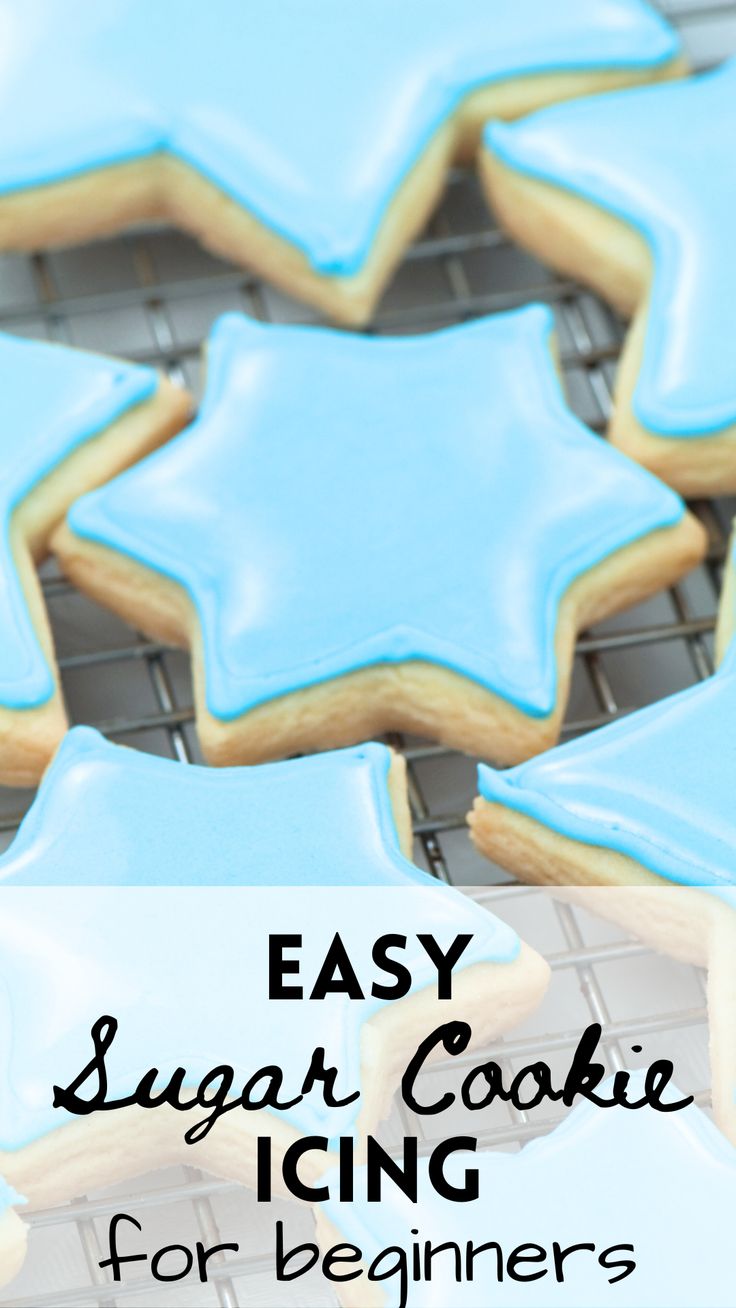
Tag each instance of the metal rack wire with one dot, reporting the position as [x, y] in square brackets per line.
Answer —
[152, 296]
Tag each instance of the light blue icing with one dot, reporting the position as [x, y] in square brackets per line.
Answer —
[52, 400]
[344, 501]
[9, 1198]
[661, 158]
[309, 114]
[664, 1182]
[135, 880]
[657, 786]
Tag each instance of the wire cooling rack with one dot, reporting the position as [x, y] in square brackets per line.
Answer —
[152, 296]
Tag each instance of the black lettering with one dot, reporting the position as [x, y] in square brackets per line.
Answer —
[454, 1038]
[284, 1257]
[116, 1259]
[347, 1173]
[490, 1073]
[444, 962]
[518, 1255]
[222, 1079]
[289, 1168]
[380, 955]
[278, 967]
[559, 1255]
[337, 975]
[269, 1097]
[341, 1253]
[469, 1190]
[398, 1268]
[448, 1246]
[539, 1073]
[606, 1261]
[656, 1080]
[263, 1169]
[103, 1033]
[378, 1161]
[204, 1255]
[473, 1251]
[327, 1076]
[584, 1075]
[172, 1276]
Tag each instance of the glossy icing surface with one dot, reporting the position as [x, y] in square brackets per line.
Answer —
[344, 501]
[657, 786]
[309, 115]
[52, 400]
[134, 880]
[664, 1182]
[663, 160]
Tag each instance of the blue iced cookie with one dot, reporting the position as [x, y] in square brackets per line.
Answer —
[368, 533]
[308, 140]
[632, 192]
[614, 1209]
[641, 811]
[144, 892]
[68, 421]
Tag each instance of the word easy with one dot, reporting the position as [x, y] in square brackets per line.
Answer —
[337, 975]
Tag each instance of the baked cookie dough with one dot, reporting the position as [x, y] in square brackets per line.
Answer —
[644, 806]
[632, 193]
[361, 534]
[726, 624]
[68, 421]
[143, 890]
[309, 142]
[13, 1234]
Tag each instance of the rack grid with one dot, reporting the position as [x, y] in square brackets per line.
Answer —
[151, 296]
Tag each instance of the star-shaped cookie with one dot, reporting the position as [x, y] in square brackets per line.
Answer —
[144, 890]
[633, 193]
[662, 1182]
[360, 534]
[68, 420]
[643, 804]
[307, 140]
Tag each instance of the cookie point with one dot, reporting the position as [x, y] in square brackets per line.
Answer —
[492, 783]
[373, 751]
[538, 315]
[496, 134]
[82, 740]
[80, 516]
[233, 323]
